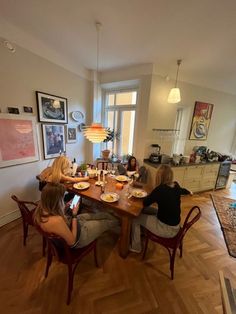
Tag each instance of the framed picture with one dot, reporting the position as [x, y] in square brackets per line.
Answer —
[13, 110]
[28, 109]
[71, 133]
[18, 144]
[53, 140]
[51, 108]
[201, 121]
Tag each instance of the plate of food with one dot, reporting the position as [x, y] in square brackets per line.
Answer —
[121, 178]
[81, 185]
[139, 193]
[109, 197]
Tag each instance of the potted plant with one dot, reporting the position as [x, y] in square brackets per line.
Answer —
[110, 138]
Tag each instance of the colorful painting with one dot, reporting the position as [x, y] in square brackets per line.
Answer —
[51, 108]
[53, 140]
[201, 121]
[18, 142]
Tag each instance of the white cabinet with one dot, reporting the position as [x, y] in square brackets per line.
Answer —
[192, 177]
[179, 173]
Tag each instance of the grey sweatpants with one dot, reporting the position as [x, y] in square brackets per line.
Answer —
[93, 225]
[153, 224]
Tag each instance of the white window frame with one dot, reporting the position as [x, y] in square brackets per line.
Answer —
[119, 109]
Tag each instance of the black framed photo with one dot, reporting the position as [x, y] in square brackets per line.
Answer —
[51, 108]
[71, 133]
[28, 109]
[53, 140]
[13, 110]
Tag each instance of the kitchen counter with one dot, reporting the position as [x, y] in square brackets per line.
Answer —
[195, 177]
[156, 165]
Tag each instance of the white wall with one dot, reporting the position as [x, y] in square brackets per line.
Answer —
[22, 73]
[162, 115]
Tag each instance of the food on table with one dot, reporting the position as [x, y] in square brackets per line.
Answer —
[109, 198]
[138, 193]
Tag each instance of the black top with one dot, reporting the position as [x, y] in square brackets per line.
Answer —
[168, 201]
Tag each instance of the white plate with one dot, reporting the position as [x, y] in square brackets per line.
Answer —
[109, 197]
[139, 193]
[81, 185]
[122, 178]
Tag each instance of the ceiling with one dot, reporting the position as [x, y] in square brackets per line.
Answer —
[202, 33]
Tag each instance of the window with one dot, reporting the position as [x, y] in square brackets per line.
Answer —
[119, 115]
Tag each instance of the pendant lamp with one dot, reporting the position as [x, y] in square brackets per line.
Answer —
[174, 95]
[96, 133]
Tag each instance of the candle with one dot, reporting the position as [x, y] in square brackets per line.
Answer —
[119, 186]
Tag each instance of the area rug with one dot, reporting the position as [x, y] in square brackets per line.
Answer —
[226, 214]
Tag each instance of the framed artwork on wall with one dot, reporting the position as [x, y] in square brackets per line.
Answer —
[18, 143]
[201, 121]
[53, 140]
[51, 108]
[71, 133]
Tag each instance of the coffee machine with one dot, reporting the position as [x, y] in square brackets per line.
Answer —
[155, 156]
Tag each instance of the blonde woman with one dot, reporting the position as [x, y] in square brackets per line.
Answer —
[166, 222]
[83, 228]
[60, 171]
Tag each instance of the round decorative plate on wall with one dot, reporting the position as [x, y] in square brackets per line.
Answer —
[78, 116]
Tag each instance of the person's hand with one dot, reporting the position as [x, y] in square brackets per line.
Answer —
[85, 178]
[191, 193]
[75, 209]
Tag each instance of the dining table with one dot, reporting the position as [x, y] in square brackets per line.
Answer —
[127, 207]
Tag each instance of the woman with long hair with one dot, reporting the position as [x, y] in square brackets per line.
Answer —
[167, 195]
[132, 164]
[83, 228]
[60, 171]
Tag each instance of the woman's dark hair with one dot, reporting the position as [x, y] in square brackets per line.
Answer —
[129, 166]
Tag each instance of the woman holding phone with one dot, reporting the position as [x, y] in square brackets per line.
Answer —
[83, 228]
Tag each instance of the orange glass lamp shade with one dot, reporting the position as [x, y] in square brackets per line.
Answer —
[95, 133]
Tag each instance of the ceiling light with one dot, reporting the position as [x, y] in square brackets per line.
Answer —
[96, 133]
[174, 95]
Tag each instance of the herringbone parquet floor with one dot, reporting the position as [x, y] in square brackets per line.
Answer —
[120, 286]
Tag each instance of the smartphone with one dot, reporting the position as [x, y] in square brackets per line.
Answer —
[75, 201]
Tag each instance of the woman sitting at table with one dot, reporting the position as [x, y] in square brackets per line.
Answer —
[166, 222]
[60, 171]
[83, 228]
[131, 167]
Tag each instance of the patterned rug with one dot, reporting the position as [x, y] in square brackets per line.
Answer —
[227, 218]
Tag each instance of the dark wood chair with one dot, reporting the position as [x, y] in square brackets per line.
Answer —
[71, 257]
[104, 164]
[41, 183]
[172, 244]
[27, 210]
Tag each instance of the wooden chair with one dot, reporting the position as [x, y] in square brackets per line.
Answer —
[71, 257]
[27, 210]
[172, 244]
[104, 164]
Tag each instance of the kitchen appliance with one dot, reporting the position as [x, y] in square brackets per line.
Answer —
[155, 156]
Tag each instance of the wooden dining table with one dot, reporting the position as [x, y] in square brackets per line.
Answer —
[126, 207]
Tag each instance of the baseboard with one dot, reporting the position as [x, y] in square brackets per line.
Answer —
[5, 219]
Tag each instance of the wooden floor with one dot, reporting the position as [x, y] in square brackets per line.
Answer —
[120, 286]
